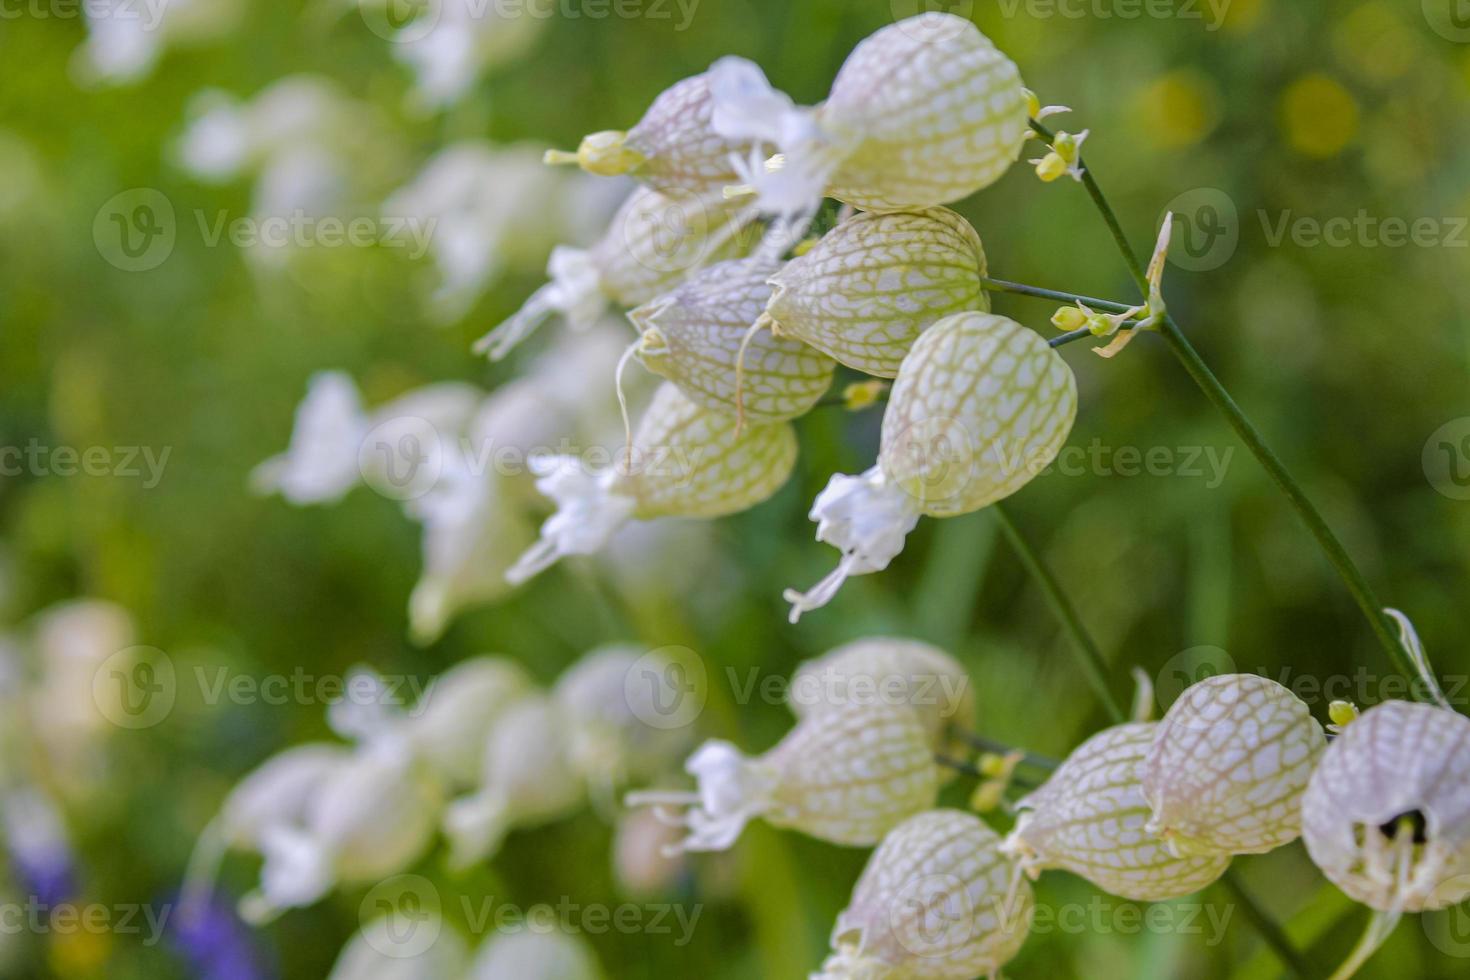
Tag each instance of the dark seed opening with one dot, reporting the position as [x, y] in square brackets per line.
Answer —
[1414, 818]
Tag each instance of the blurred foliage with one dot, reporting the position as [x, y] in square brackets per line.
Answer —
[1348, 358]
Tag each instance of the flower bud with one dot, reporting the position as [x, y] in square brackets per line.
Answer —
[1228, 766]
[1090, 818]
[870, 285]
[1386, 815]
[673, 147]
[527, 780]
[373, 816]
[846, 777]
[1069, 318]
[892, 672]
[450, 724]
[685, 461]
[981, 405]
[651, 245]
[937, 900]
[534, 954]
[923, 112]
[699, 337]
[604, 704]
[278, 792]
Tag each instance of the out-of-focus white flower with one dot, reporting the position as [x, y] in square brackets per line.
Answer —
[937, 901]
[980, 407]
[528, 780]
[606, 704]
[923, 112]
[847, 777]
[451, 724]
[1386, 815]
[489, 207]
[534, 954]
[321, 464]
[1228, 765]
[373, 816]
[387, 949]
[866, 289]
[890, 671]
[645, 854]
[1090, 818]
[71, 705]
[465, 41]
[125, 38]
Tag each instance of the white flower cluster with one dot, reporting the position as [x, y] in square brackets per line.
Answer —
[379, 951]
[482, 753]
[748, 335]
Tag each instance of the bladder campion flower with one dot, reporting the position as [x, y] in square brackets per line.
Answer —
[923, 112]
[1386, 815]
[890, 671]
[528, 779]
[685, 461]
[674, 147]
[452, 720]
[938, 900]
[652, 244]
[847, 777]
[1228, 766]
[1090, 818]
[695, 337]
[867, 288]
[980, 406]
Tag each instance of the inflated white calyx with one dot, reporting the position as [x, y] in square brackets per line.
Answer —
[938, 900]
[654, 241]
[1386, 815]
[890, 671]
[685, 461]
[846, 777]
[534, 954]
[373, 816]
[1228, 765]
[1090, 818]
[527, 780]
[672, 148]
[452, 720]
[605, 701]
[923, 112]
[699, 337]
[866, 289]
[386, 949]
[980, 406]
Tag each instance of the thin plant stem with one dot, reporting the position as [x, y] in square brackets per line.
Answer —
[1216, 392]
[976, 740]
[1022, 289]
[1094, 667]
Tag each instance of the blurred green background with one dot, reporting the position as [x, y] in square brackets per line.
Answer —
[1348, 356]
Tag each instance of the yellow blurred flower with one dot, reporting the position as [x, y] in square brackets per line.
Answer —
[1178, 109]
[1319, 117]
[1373, 41]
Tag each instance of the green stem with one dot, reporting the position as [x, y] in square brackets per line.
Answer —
[1272, 933]
[1088, 655]
[1352, 577]
[976, 740]
[1070, 299]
